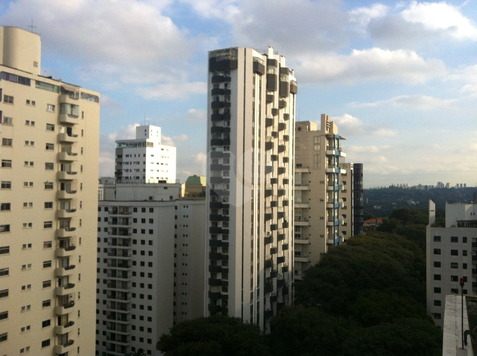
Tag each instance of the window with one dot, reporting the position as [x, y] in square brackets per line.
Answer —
[26, 267]
[46, 264]
[50, 146]
[5, 206]
[437, 264]
[49, 166]
[47, 244]
[47, 284]
[25, 328]
[454, 265]
[8, 99]
[27, 225]
[46, 303]
[454, 252]
[7, 142]
[45, 343]
[454, 278]
[437, 277]
[48, 185]
[30, 102]
[50, 107]
[454, 239]
[48, 205]
[26, 246]
[4, 249]
[7, 120]
[464, 252]
[6, 184]
[6, 163]
[48, 224]
[45, 323]
[3, 293]
[4, 315]
[437, 290]
[26, 287]
[4, 272]
[50, 127]
[437, 239]
[3, 337]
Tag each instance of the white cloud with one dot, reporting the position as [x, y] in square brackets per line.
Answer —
[419, 102]
[291, 27]
[361, 16]
[197, 115]
[441, 17]
[371, 65]
[173, 90]
[171, 141]
[112, 41]
[350, 126]
[220, 9]
[468, 77]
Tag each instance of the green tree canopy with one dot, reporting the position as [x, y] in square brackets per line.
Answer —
[218, 335]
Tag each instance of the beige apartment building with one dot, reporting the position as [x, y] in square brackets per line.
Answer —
[324, 192]
[250, 141]
[49, 166]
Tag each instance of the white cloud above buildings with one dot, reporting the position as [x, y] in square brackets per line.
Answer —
[401, 71]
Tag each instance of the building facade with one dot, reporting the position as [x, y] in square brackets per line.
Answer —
[49, 166]
[451, 254]
[145, 159]
[325, 192]
[250, 172]
[150, 266]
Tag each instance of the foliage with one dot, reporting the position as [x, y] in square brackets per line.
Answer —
[218, 335]
[306, 331]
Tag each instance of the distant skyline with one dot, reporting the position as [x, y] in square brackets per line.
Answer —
[398, 77]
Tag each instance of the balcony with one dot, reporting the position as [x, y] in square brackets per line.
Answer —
[66, 138]
[68, 289]
[69, 232]
[64, 348]
[63, 175]
[63, 329]
[67, 157]
[65, 194]
[301, 205]
[64, 271]
[65, 308]
[331, 169]
[302, 259]
[65, 213]
[301, 241]
[302, 222]
[65, 251]
[68, 119]
[281, 259]
[302, 170]
[301, 186]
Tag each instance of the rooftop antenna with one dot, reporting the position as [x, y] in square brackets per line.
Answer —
[31, 27]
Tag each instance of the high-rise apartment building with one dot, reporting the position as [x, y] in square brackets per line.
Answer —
[324, 192]
[451, 254]
[145, 159]
[150, 265]
[49, 166]
[250, 142]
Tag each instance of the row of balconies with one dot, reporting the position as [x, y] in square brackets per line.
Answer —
[218, 269]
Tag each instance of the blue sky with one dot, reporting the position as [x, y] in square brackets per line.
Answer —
[398, 77]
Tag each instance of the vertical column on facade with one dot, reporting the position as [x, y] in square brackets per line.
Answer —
[118, 284]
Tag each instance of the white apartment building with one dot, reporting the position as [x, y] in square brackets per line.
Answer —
[49, 166]
[250, 142]
[150, 266]
[451, 254]
[145, 159]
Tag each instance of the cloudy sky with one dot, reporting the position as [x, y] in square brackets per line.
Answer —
[398, 77]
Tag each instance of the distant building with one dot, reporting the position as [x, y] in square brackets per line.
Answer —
[145, 159]
[450, 255]
[195, 186]
[49, 167]
[328, 193]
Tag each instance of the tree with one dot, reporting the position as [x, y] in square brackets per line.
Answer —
[306, 331]
[218, 335]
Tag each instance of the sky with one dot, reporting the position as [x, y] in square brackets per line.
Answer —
[398, 77]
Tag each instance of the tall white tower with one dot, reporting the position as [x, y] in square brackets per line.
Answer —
[250, 141]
